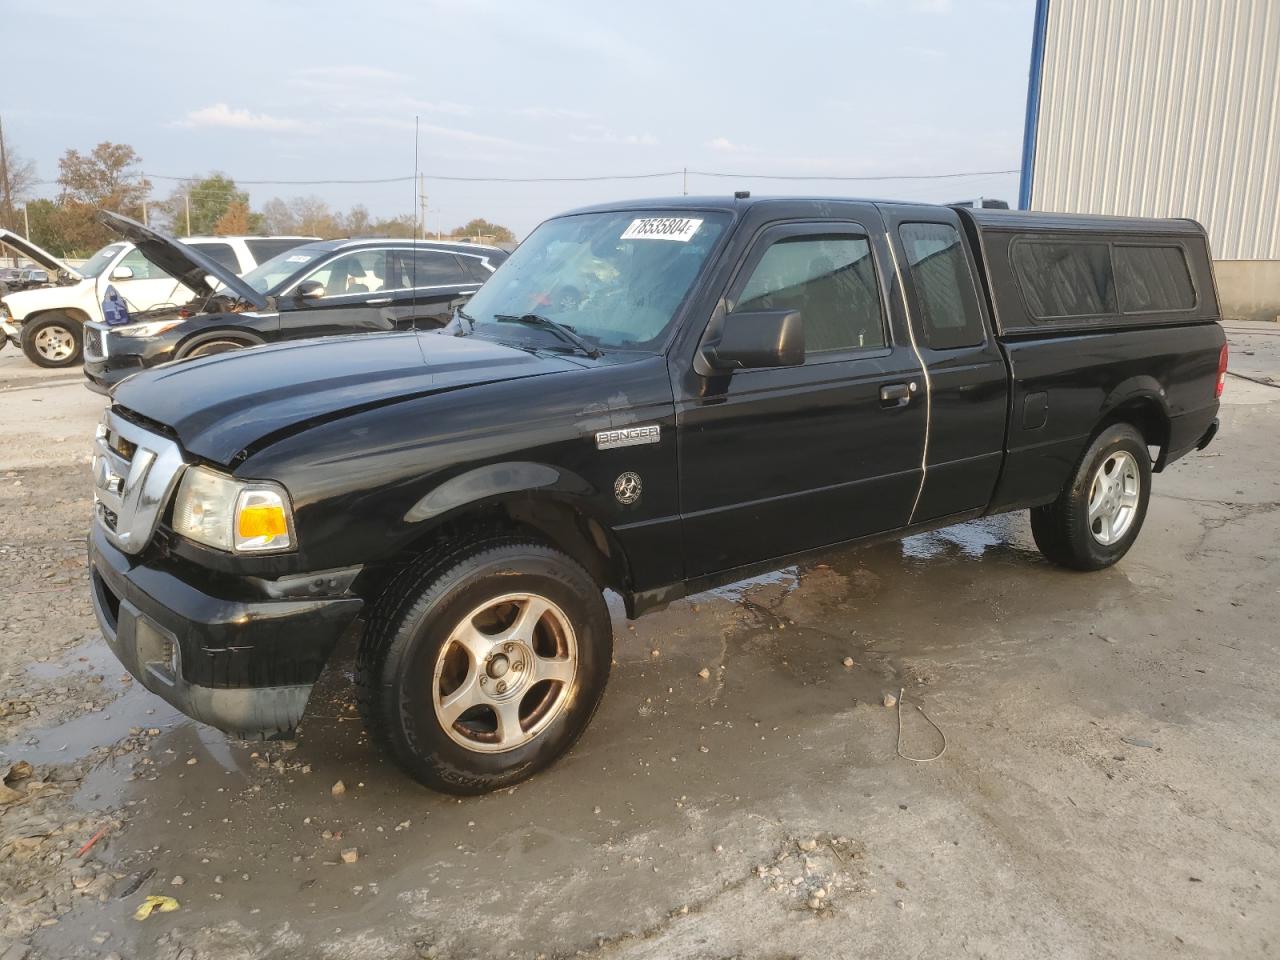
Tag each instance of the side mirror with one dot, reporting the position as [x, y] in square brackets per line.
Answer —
[309, 290]
[758, 338]
[122, 273]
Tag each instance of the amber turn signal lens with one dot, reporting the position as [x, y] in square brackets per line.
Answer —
[261, 521]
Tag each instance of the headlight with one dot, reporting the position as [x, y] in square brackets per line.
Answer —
[233, 515]
[152, 328]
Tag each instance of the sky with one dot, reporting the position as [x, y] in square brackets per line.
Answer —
[323, 90]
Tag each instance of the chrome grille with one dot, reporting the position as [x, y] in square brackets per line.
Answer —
[134, 474]
[95, 342]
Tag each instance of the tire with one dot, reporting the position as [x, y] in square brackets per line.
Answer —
[420, 667]
[208, 348]
[1114, 478]
[53, 340]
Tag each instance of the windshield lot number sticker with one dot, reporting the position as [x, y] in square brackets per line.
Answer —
[680, 229]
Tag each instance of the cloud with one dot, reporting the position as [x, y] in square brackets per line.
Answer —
[923, 53]
[343, 75]
[434, 106]
[430, 130]
[222, 115]
[931, 6]
[550, 113]
[725, 145]
[598, 134]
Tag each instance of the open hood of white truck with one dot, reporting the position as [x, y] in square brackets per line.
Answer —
[38, 254]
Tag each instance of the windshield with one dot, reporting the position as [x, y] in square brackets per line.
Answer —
[98, 262]
[267, 276]
[615, 279]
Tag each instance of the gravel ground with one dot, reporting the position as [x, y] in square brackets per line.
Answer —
[1111, 784]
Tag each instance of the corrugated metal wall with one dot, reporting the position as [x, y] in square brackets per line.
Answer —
[1164, 108]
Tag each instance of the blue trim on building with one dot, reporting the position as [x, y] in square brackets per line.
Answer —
[1033, 104]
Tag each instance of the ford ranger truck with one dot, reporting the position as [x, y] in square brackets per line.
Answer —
[653, 397]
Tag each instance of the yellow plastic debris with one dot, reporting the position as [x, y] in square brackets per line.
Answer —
[155, 904]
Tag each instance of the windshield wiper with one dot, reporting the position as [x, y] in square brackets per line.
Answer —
[561, 330]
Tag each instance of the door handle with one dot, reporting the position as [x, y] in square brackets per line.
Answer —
[894, 395]
[380, 301]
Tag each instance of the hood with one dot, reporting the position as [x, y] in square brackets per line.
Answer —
[38, 254]
[186, 264]
[23, 303]
[222, 405]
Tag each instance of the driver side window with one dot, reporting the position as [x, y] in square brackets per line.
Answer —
[143, 269]
[831, 280]
[362, 271]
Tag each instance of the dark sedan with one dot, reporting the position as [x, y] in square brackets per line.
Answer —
[319, 289]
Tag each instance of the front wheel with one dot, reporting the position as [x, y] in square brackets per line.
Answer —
[484, 668]
[1097, 518]
[53, 340]
[209, 348]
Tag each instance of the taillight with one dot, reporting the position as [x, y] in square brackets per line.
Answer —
[1222, 372]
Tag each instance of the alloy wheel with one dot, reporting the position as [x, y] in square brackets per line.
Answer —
[505, 673]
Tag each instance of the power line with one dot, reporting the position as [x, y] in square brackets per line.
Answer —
[900, 176]
[603, 177]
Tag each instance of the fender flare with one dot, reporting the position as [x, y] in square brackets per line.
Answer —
[496, 481]
[1142, 387]
[218, 333]
[71, 313]
[1142, 390]
[522, 486]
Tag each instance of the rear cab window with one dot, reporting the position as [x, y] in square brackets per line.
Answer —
[944, 287]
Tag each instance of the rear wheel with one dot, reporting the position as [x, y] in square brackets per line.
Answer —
[1097, 518]
[53, 340]
[482, 669]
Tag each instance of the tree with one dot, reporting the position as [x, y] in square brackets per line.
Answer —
[401, 227]
[277, 218]
[314, 218]
[43, 215]
[357, 222]
[311, 216]
[236, 220]
[106, 178]
[17, 178]
[210, 198]
[492, 232]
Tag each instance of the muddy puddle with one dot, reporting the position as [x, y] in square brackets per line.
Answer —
[671, 795]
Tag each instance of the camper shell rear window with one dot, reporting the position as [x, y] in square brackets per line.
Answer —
[1052, 272]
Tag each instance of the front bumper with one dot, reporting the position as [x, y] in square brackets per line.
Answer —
[241, 657]
[111, 357]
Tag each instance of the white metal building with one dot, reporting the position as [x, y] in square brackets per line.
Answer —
[1164, 108]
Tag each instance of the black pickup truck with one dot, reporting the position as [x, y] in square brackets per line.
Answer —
[652, 397]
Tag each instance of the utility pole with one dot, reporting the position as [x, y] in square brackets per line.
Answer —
[145, 222]
[684, 183]
[26, 221]
[187, 198]
[4, 179]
